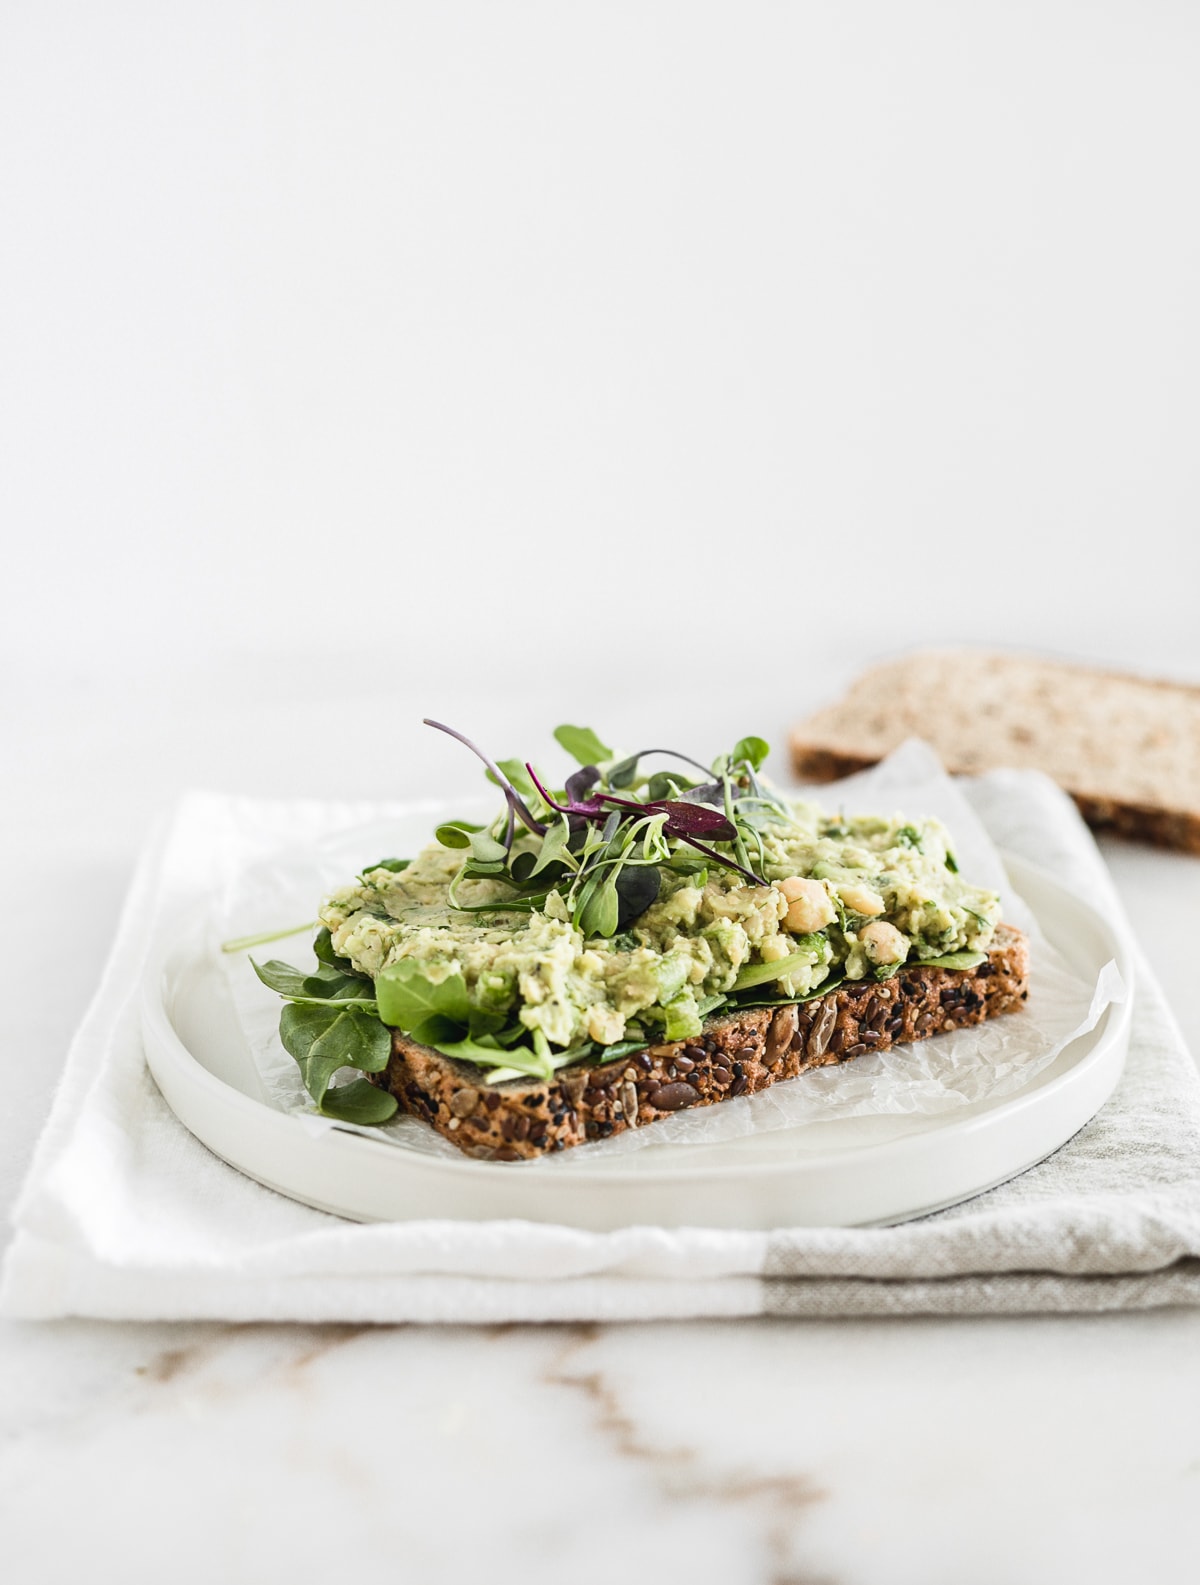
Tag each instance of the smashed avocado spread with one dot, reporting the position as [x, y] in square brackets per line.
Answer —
[627, 906]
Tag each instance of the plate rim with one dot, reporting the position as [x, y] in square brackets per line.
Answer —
[156, 1020]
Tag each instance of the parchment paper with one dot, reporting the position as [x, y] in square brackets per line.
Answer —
[940, 1075]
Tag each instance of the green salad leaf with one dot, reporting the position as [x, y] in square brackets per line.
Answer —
[406, 998]
[360, 1102]
[582, 744]
[752, 750]
[951, 960]
[323, 1040]
[808, 952]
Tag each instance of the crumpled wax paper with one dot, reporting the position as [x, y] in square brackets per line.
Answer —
[940, 1075]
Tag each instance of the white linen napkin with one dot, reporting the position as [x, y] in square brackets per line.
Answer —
[126, 1215]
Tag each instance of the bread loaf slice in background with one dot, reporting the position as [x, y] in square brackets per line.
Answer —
[1127, 749]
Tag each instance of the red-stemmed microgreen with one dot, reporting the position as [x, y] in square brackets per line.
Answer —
[517, 808]
[684, 821]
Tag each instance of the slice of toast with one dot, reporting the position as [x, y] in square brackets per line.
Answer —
[1125, 748]
[736, 1055]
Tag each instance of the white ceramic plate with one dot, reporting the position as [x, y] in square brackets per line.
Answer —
[840, 1173]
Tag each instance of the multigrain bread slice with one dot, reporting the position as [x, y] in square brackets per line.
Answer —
[1127, 749]
[736, 1055]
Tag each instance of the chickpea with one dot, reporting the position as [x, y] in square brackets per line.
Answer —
[810, 906]
[883, 942]
[861, 899]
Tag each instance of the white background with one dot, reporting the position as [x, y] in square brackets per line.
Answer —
[568, 332]
[630, 363]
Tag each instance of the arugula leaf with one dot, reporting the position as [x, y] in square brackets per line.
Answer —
[522, 1058]
[327, 987]
[405, 997]
[582, 744]
[780, 1000]
[765, 973]
[281, 977]
[330, 985]
[359, 1102]
[753, 750]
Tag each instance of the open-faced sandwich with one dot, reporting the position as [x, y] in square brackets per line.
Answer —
[653, 935]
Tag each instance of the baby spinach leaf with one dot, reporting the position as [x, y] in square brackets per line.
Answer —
[324, 1039]
[582, 744]
[359, 1102]
[359, 1039]
[300, 1028]
[406, 997]
[638, 885]
[624, 773]
[522, 867]
[484, 1021]
[437, 1027]
[323, 948]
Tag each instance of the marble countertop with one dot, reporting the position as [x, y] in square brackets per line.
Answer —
[765, 1451]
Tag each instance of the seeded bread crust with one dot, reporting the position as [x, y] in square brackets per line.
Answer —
[736, 1055]
[1126, 748]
